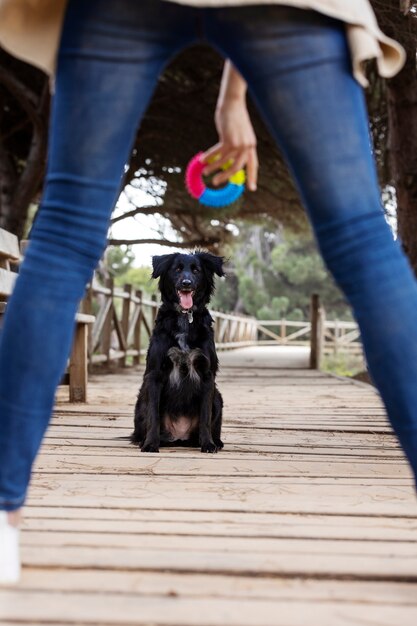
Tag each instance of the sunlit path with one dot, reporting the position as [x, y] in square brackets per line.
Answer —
[281, 357]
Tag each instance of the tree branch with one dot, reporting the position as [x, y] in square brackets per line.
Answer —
[165, 242]
[145, 210]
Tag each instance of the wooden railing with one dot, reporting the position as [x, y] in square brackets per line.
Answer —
[338, 336]
[323, 337]
[234, 331]
[122, 316]
[124, 320]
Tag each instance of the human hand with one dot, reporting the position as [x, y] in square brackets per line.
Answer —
[237, 139]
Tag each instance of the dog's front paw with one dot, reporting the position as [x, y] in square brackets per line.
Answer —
[150, 446]
[219, 444]
[209, 447]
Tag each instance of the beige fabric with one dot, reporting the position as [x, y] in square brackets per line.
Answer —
[30, 29]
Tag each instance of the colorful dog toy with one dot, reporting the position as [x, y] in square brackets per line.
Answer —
[212, 197]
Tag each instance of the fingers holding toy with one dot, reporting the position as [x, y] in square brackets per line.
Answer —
[231, 167]
[229, 162]
[212, 157]
[234, 164]
[215, 198]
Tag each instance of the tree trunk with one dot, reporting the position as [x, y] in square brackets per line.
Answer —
[8, 181]
[402, 111]
[29, 181]
[21, 174]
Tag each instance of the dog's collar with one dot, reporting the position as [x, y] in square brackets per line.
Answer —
[188, 312]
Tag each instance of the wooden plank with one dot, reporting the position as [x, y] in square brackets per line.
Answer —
[7, 281]
[107, 432]
[220, 523]
[145, 323]
[261, 434]
[136, 327]
[255, 547]
[9, 246]
[367, 593]
[84, 608]
[288, 563]
[360, 560]
[124, 327]
[134, 463]
[120, 333]
[233, 451]
[301, 495]
[106, 332]
[100, 321]
[84, 318]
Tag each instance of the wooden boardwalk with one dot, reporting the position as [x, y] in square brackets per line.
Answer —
[308, 516]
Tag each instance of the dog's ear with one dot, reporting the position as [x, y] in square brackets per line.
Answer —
[162, 263]
[211, 262]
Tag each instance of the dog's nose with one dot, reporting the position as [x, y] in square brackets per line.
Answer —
[186, 283]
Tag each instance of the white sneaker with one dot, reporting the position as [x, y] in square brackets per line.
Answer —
[9, 552]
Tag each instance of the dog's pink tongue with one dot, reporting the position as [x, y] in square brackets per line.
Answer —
[186, 299]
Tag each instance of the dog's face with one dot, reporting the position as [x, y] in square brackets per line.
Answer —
[187, 279]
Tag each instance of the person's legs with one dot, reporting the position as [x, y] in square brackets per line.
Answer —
[110, 57]
[298, 68]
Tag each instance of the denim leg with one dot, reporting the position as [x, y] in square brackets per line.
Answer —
[110, 57]
[298, 68]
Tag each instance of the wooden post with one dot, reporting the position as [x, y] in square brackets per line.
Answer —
[154, 311]
[87, 307]
[78, 365]
[283, 331]
[125, 320]
[336, 337]
[107, 326]
[137, 331]
[316, 341]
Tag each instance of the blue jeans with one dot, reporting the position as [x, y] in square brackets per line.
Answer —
[298, 69]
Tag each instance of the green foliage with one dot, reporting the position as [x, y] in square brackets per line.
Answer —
[343, 364]
[226, 293]
[278, 309]
[119, 259]
[140, 278]
[254, 297]
[276, 276]
[298, 263]
[299, 271]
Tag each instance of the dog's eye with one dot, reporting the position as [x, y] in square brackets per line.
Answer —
[195, 270]
[179, 269]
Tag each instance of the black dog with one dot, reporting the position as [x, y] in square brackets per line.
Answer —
[179, 402]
